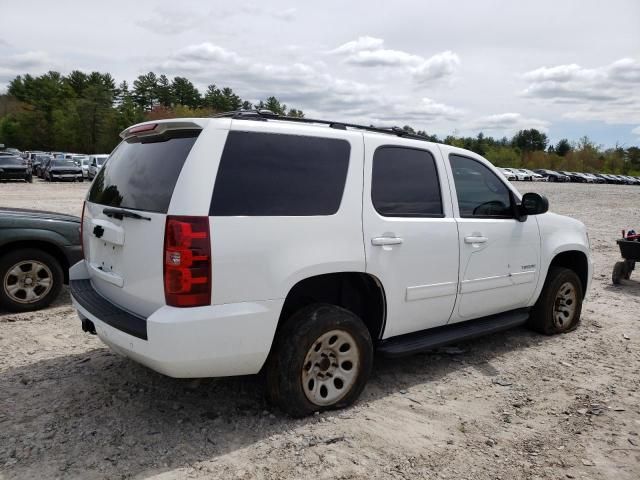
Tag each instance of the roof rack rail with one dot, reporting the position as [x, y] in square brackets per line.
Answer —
[264, 115]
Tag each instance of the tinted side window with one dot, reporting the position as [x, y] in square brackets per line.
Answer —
[480, 192]
[404, 183]
[267, 174]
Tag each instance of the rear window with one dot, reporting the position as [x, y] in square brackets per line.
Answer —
[267, 174]
[142, 173]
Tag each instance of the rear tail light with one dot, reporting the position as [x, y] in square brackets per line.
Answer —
[84, 204]
[187, 261]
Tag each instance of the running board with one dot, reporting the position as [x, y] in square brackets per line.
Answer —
[416, 342]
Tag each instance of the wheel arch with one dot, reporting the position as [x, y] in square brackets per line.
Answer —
[575, 260]
[358, 292]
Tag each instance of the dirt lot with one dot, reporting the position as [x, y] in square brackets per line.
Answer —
[512, 406]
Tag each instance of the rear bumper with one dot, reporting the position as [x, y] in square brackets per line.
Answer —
[213, 341]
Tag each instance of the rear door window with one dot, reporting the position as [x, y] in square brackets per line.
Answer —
[267, 174]
[404, 183]
[142, 173]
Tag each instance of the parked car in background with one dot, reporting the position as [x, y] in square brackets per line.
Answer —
[174, 278]
[574, 177]
[621, 180]
[38, 164]
[11, 151]
[507, 173]
[36, 250]
[515, 172]
[603, 177]
[95, 164]
[31, 156]
[83, 162]
[63, 169]
[593, 178]
[535, 177]
[522, 174]
[552, 175]
[15, 168]
[43, 166]
[631, 180]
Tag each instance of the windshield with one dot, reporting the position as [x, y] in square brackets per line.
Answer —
[64, 163]
[100, 160]
[11, 161]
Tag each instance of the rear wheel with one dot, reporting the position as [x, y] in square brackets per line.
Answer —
[559, 306]
[321, 360]
[31, 279]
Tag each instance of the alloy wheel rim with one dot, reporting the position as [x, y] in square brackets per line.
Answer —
[28, 281]
[330, 368]
[564, 306]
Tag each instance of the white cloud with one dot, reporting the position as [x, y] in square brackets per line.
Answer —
[314, 87]
[636, 131]
[507, 123]
[370, 52]
[610, 93]
[361, 43]
[165, 21]
[439, 66]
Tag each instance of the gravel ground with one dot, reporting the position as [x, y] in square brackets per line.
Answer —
[514, 405]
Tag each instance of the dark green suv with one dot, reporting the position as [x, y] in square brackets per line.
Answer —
[36, 250]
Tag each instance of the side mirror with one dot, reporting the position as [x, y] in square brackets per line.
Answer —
[533, 204]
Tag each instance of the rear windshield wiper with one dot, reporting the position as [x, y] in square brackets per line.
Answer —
[120, 213]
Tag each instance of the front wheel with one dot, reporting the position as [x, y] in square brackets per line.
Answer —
[560, 303]
[321, 359]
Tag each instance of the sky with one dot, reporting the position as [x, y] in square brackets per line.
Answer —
[569, 68]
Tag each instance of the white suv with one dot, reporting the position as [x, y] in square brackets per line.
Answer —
[222, 246]
[95, 164]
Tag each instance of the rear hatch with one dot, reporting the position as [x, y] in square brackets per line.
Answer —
[125, 213]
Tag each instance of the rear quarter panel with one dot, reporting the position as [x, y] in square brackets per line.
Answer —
[261, 258]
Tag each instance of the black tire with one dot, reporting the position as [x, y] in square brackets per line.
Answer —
[629, 266]
[292, 346]
[618, 273]
[11, 259]
[544, 317]
[552, 179]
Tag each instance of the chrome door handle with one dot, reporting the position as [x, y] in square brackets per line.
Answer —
[474, 239]
[380, 241]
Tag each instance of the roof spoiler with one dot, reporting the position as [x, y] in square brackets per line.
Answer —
[157, 128]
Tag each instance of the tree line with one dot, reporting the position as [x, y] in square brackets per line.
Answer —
[85, 112]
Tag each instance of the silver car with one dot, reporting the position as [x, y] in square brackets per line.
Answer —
[95, 164]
